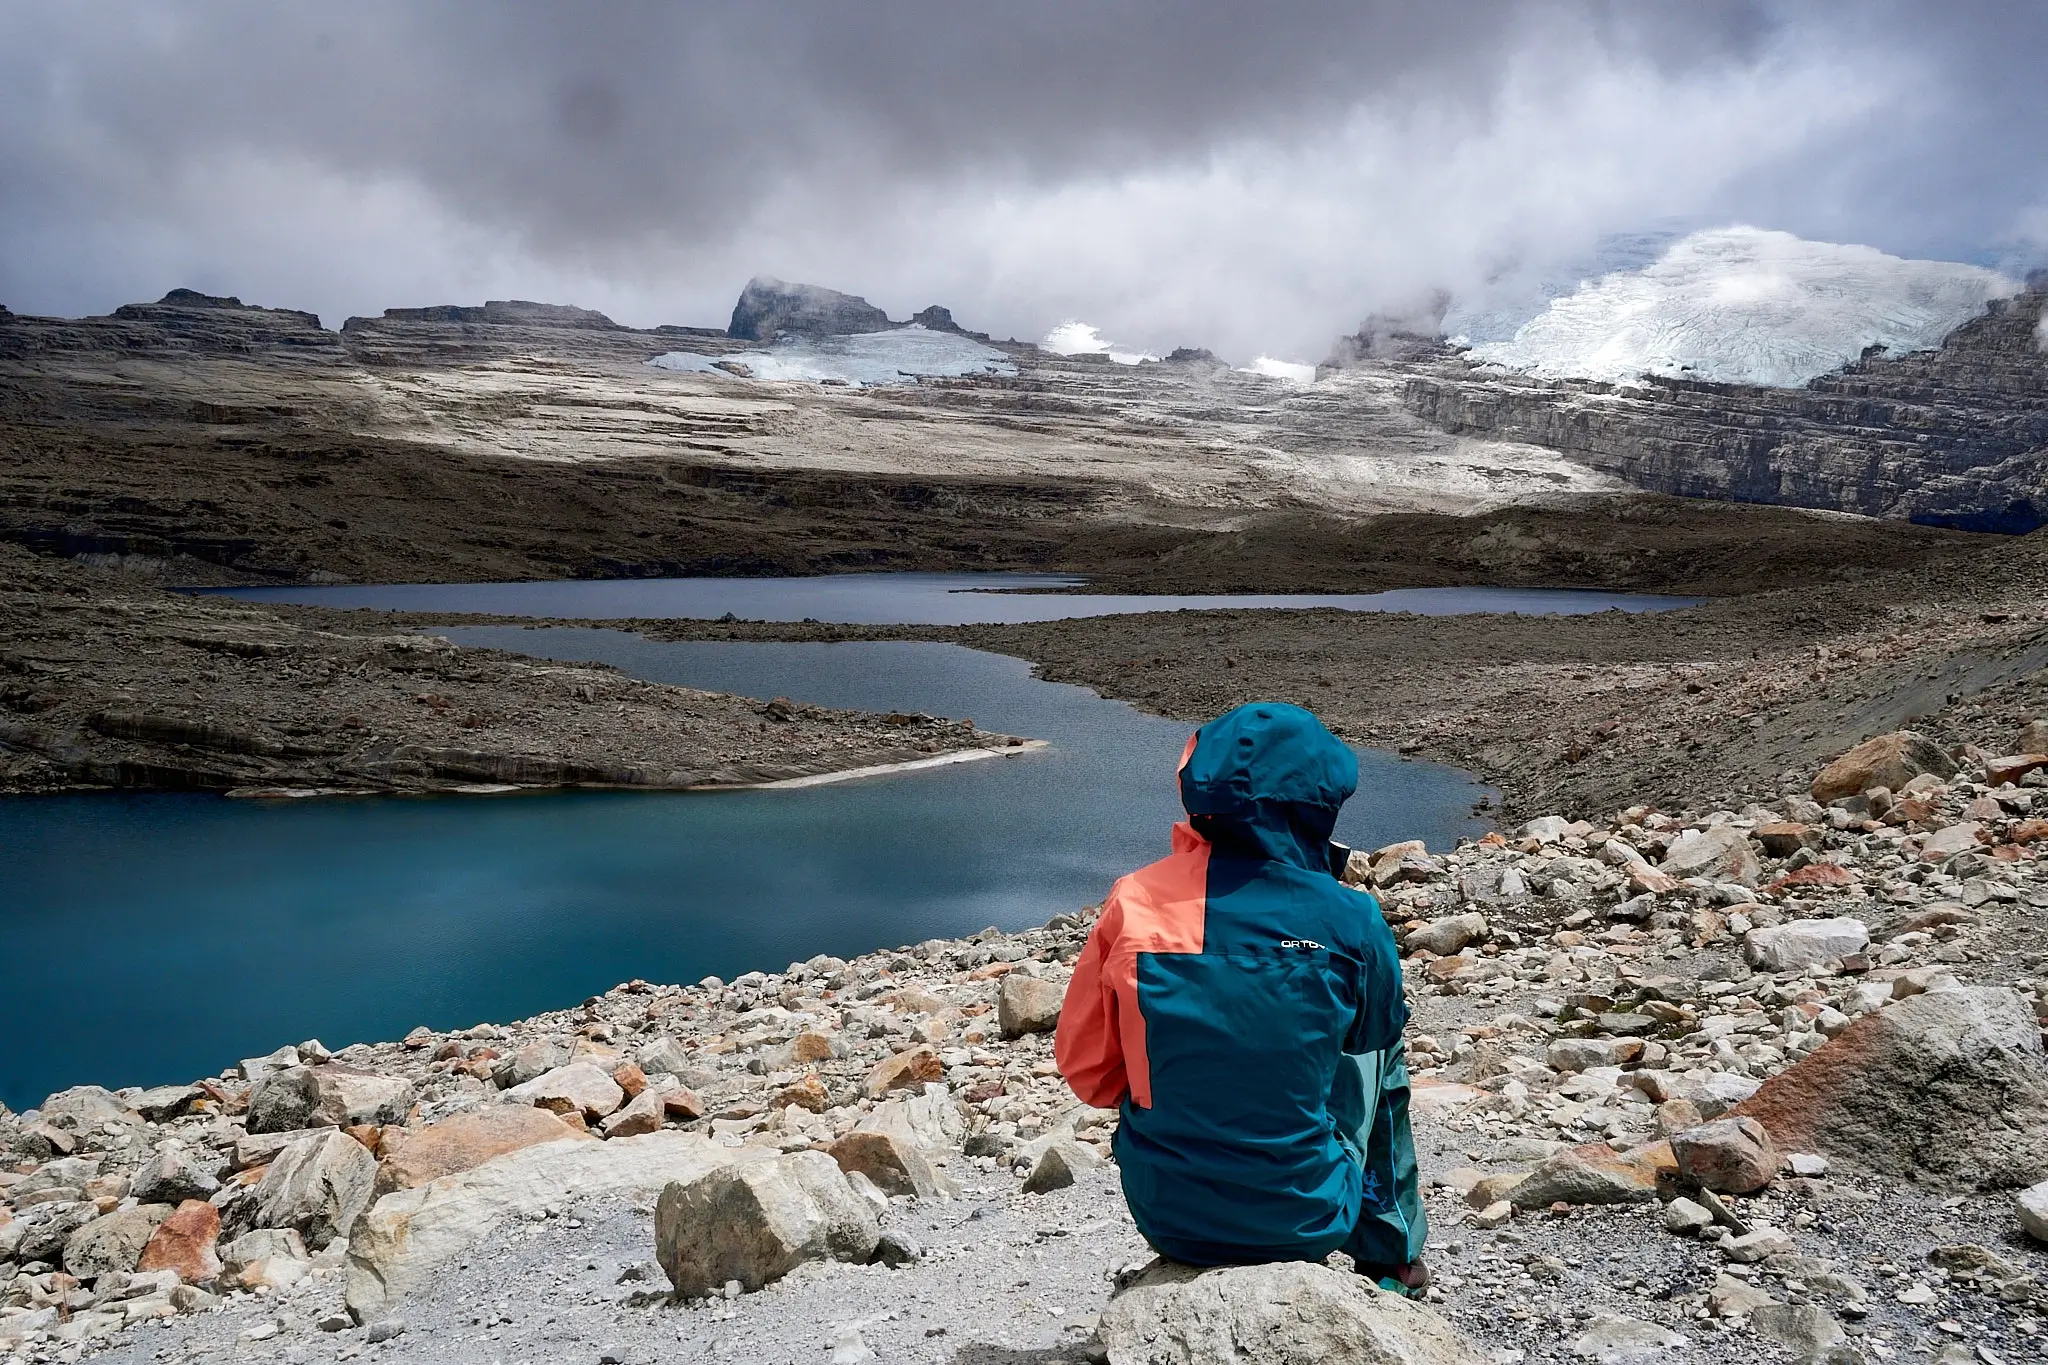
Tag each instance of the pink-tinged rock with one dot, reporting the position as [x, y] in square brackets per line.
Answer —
[2012, 767]
[1890, 760]
[891, 1160]
[1648, 880]
[1783, 838]
[463, 1142]
[188, 1242]
[905, 1071]
[1732, 1156]
[1814, 874]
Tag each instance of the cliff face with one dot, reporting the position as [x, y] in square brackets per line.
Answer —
[1956, 436]
[181, 322]
[504, 329]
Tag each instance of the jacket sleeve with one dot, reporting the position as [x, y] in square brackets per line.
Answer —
[1089, 1051]
[1382, 1003]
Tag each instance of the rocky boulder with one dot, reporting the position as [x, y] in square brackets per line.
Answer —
[1448, 935]
[2033, 1210]
[1889, 761]
[1027, 1005]
[579, 1088]
[1285, 1314]
[895, 1163]
[755, 1223]
[186, 1242]
[296, 1097]
[113, 1241]
[172, 1176]
[1596, 1174]
[1060, 1165]
[317, 1187]
[1733, 1156]
[905, 1071]
[1719, 852]
[1949, 1087]
[1804, 943]
[397, 1246]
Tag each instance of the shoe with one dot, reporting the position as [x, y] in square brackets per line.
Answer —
[1406, 1280]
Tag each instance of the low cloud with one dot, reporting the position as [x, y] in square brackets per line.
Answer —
[1253, 179]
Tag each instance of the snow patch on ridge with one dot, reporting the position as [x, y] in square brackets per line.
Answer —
[1741, 305]
[901, 355]
[1078, 338]
[1282, 369]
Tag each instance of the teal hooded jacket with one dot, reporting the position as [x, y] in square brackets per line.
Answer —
[1218, 997]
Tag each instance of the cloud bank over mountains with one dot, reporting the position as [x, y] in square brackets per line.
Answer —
[1250, 178]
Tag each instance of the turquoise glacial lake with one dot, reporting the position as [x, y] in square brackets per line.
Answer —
[153, 938]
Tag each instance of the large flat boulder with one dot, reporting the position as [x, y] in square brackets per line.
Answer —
[395, 1248]
[1597, 1174]
[462, 1142]
[1948, 1087]
[1287, 1314]
[1802, 943]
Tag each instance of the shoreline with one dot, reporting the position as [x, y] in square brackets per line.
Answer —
[1582, 992]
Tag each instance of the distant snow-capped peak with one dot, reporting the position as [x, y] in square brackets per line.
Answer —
[1740, 305]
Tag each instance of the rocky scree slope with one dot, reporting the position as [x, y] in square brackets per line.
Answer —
[1671, 1082]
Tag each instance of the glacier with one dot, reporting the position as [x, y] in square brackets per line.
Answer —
[901, 355]
[1744, 305]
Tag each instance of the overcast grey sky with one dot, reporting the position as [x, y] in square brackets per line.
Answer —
[1252, 177]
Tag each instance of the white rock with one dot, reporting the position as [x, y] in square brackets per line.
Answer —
[1718, 852]
[2033, 1210]
[581, 1086]
[1804, 943]
[1273, 1315]
[395, 1248]
[1610, 1339]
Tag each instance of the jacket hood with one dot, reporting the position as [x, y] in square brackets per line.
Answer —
[1266, 780]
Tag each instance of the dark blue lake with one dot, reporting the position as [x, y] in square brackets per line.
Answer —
[924, 599]
[157, 938]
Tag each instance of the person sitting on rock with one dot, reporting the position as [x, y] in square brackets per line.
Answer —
[1242, 1009]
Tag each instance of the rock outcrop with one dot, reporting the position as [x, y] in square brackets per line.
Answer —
[183, 322]
[769, 308]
